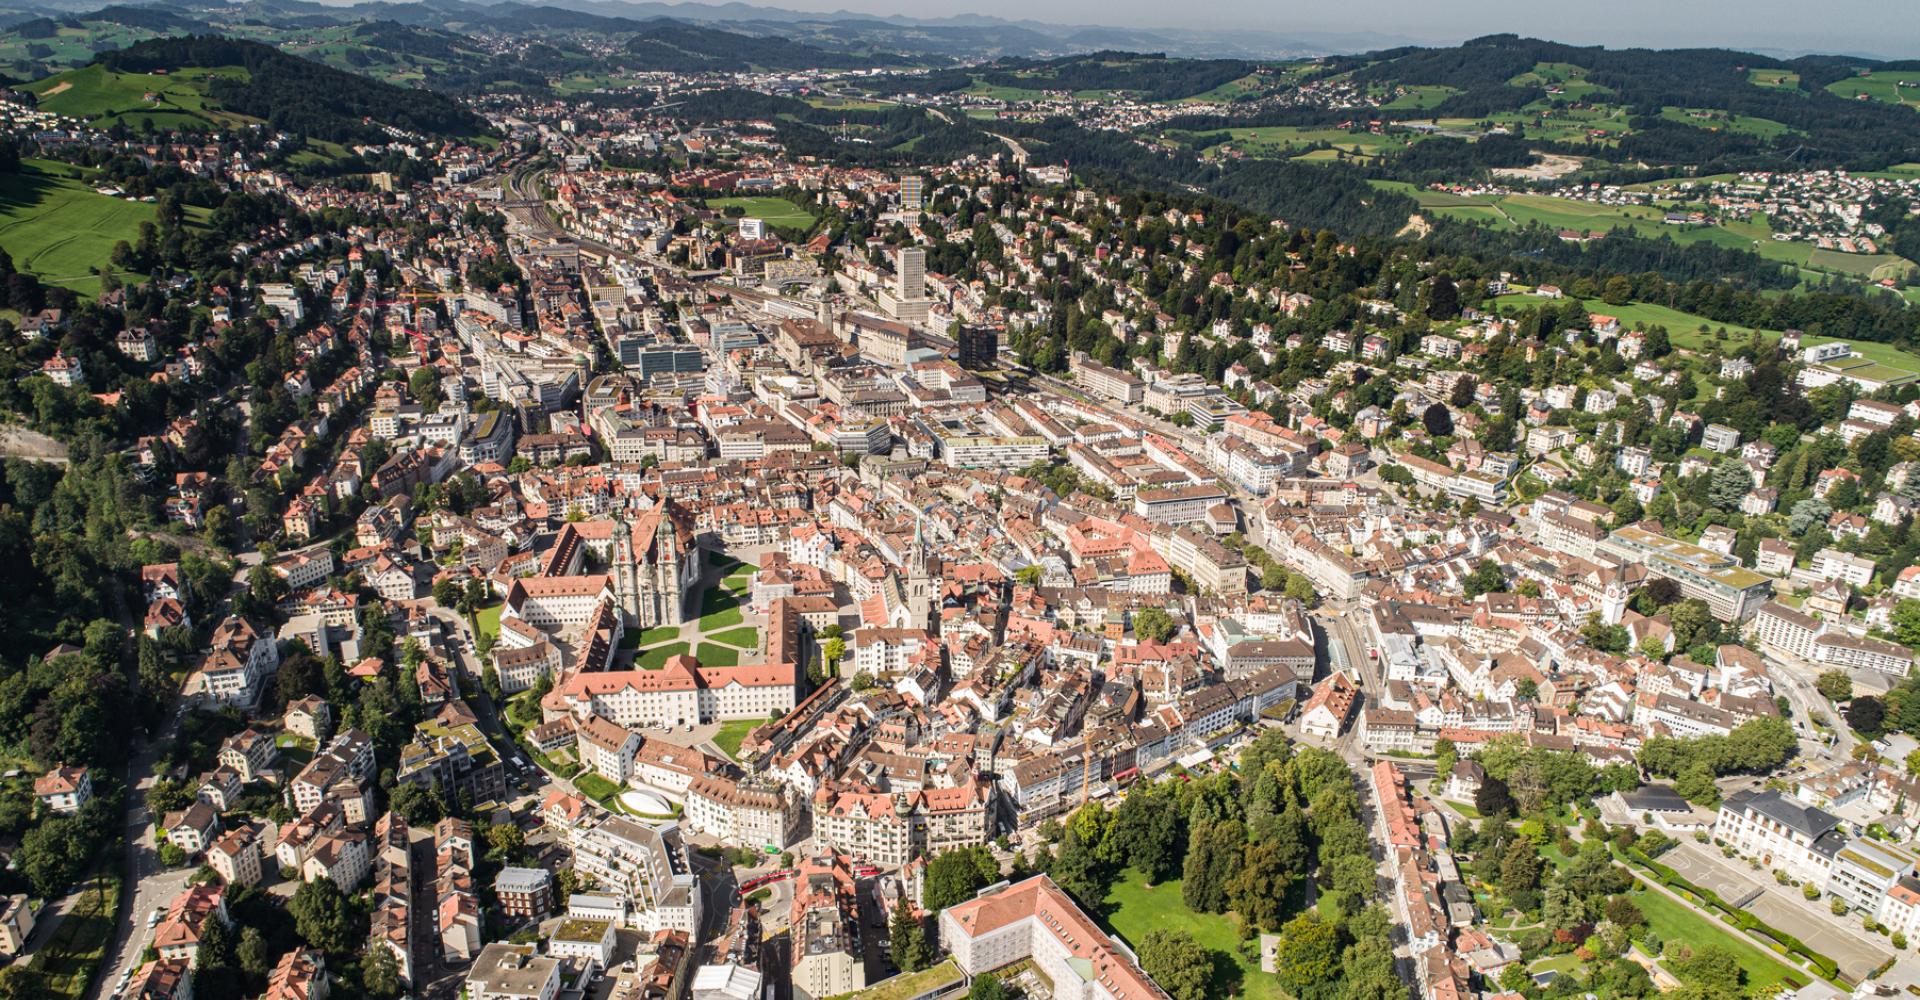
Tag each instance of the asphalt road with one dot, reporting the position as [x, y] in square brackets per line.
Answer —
[152, 886]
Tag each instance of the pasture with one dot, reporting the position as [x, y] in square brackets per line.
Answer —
[58, 227]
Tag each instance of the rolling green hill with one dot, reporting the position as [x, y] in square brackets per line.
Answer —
[104, 97]
[56, 226]
[287, 92]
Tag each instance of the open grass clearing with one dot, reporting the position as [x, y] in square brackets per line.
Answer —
[1890, 86]
[1135, 908]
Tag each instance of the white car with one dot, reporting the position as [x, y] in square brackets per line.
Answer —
[159, 913]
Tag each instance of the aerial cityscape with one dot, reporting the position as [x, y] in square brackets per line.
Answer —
[614, 500]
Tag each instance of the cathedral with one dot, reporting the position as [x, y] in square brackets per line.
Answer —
[655, 565]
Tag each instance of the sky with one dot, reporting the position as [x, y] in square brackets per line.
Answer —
[1886, 28]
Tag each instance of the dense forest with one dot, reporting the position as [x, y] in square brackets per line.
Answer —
[1147, 76]
[296, 95]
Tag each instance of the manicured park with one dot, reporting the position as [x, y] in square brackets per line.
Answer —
[1673, 921]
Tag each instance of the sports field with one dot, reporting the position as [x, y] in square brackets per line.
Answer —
[59, 228]
[777, 212]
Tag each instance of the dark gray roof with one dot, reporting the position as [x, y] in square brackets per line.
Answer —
[1796, 816]
[1655, 798]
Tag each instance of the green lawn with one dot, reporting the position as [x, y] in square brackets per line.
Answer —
[489, 620]
[635, 638]
[597, 788]
[724, 618]
[1134, 909]
[67, 961]
[777, 212]
[1674, 922]
[655, 658]
[711, 655]
[54, 224]
[733, 733]
[745, 638]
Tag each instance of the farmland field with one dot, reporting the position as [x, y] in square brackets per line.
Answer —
[1891, 86]
[56, 226]
[1762, 128]
[1785, 79]
[1280, 140]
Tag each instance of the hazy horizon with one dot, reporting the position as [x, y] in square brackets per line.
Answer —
[1888, 29]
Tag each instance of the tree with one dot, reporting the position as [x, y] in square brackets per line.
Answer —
[53, 853]
[505, 841]
[1730, 484]
[1078, 869]
[1493, 798]
[1713, 970]
[1437, 420]
[1153, 624]
[953, 877]
[1260, 887]
[322, 918]
[1867, 715]
[987, 987]
[380, 974]
[1520, 874]
[1148, 833]
[1623, 911]
[911, 949]
[418, 804]
[1213, 851]
[1834, 685]
[1906, 622]
[252, 952]
[1486, 578]
[1177, 962]
[1307, 961]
